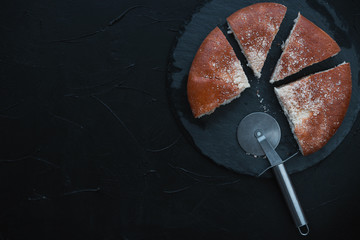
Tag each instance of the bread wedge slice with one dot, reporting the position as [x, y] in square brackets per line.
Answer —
[306, 45]
[216, 76]
[255, 28]
[316, 106]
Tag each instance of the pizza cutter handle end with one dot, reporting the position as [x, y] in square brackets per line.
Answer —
[304, 230]
[291, 199]
[284, 183]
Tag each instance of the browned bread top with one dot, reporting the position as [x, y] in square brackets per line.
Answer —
[316, 106]
[255, 28]
[216, 76]
[306, 45]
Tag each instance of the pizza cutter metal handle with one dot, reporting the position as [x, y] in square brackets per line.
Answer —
[284, 182]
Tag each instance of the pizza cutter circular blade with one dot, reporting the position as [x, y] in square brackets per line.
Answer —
[256, 121]
[259, 134]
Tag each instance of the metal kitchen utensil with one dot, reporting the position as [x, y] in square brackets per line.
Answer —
[259, 134]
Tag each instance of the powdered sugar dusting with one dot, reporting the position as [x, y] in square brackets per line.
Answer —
[306, 45]
[310, 101]
[229, 69]
[279, 65]
[224, 69]
[255, 34]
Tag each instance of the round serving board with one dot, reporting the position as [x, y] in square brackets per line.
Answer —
[215, 135]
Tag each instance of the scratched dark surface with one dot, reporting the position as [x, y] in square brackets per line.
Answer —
[90, 148]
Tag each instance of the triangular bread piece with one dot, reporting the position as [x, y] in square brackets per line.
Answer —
[316, 106]
[306, 45]
[254, 28]
[216, 76]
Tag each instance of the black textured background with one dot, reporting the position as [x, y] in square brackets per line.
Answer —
[90, 148]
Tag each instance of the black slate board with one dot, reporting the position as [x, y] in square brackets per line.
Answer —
[214, 135]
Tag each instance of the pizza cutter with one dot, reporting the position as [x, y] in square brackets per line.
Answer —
[259, 134]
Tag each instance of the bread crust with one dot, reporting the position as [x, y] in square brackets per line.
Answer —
[216, 76]
[307, 45]
[255, 27]
[316, 106]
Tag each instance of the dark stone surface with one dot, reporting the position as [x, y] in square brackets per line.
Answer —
[90, 148]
